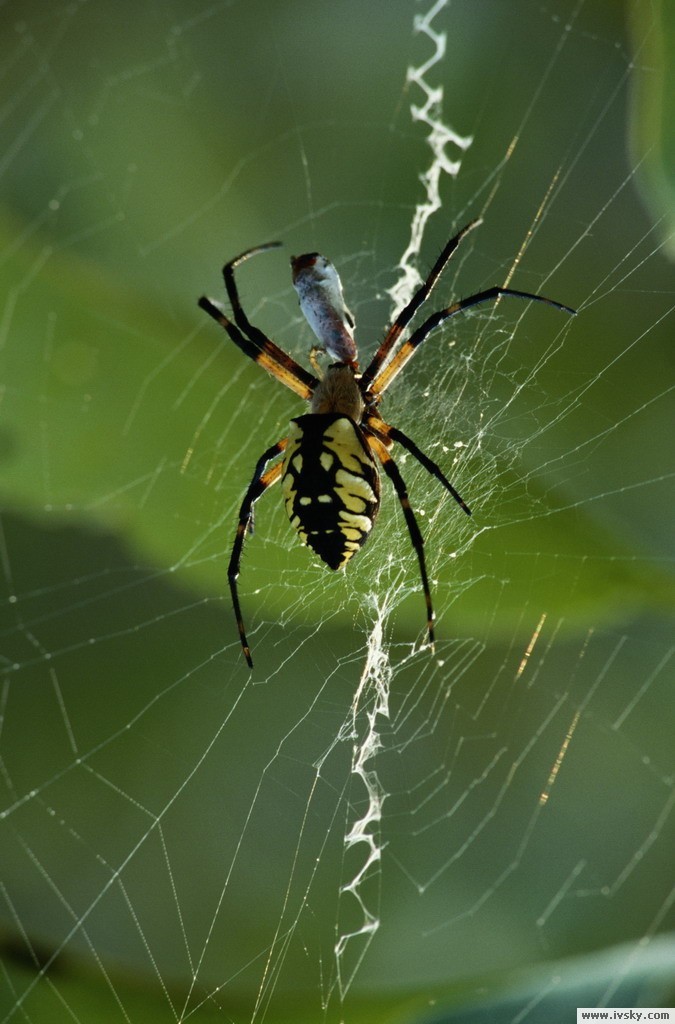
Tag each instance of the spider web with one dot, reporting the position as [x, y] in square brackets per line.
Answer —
[360, 824]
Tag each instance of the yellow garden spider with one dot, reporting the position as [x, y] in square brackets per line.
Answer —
[329, 475]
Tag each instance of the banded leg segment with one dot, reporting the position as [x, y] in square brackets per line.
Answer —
[251, 340]
[416, 538]
[281, 366]
[408, 312]
[259, 484]
[385, 431]
[407, 350]
[258, 337]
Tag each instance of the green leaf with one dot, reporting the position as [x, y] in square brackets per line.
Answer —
[652, 110]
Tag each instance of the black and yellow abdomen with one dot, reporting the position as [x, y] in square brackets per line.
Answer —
[330, 485]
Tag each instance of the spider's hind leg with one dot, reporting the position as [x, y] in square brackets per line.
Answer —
[384, 430]
[259, 484]
[416, 538]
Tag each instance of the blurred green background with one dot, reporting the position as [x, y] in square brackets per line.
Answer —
[172, 837]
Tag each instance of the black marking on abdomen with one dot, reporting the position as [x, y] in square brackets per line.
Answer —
[331, 485]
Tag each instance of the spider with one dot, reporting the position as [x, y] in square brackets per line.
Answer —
[329, 476]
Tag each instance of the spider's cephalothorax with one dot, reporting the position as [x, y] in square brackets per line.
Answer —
[329, 474]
